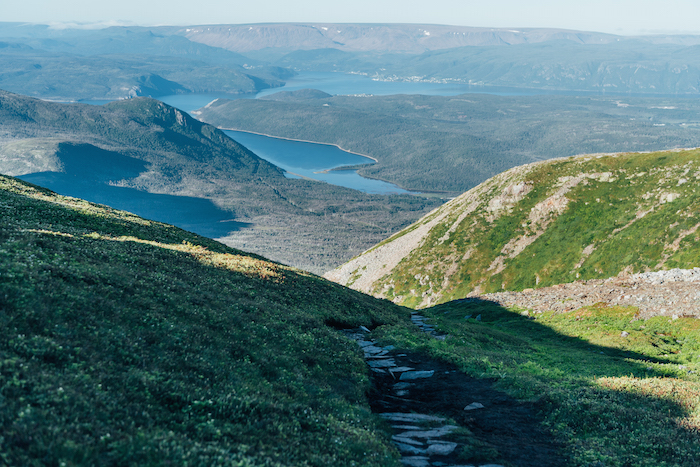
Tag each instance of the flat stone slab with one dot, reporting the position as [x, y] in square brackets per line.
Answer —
[434, 433]
[415, 461]
[474, 406]
[377, 356]
[410, 375]
[414, 442]
[373, 349]
[441, 449]
[385, 363]
[402, 385]
[410, 417]
[408, 449]
[365, 343]
[399, 369]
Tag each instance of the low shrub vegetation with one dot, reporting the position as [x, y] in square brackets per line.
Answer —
[125, 341]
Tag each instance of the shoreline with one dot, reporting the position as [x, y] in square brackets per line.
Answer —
[376, 161]
[354, 167]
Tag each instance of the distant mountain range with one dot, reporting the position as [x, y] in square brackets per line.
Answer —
[114, 63]
[117, 62]
[393, 38]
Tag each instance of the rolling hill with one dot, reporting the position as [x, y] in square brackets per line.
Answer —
[546, 223]
[124, 340]
[396, 38]
[116, 63]
[152, 159]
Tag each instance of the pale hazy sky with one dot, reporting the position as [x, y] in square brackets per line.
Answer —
[612, 16]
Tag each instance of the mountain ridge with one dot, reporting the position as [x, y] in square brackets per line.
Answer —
[404, 38]
[546, 223]
[195, 176]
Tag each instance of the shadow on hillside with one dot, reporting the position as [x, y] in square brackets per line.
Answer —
[531, 331]
[196, 215]
[617, 421]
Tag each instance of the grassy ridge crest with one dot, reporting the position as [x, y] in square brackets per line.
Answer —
[551, 222]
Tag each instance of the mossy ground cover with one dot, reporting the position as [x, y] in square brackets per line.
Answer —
[125, 342]
[615, 401]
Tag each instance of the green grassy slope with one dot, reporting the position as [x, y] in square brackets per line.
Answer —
[543, 224]
[126, 341]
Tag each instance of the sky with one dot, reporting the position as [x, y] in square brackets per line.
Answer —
[624, 17]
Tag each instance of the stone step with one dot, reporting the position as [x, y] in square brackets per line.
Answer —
[434, 433]
[411, 375]
[387, 363]
[415, 461]
[410, 417]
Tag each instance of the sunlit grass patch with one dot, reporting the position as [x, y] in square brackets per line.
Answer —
[684, 394]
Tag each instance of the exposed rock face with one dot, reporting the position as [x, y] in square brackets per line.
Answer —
[552, 222]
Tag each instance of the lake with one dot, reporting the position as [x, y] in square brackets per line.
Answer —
[314, 160]
[350, 84]
[354, 84]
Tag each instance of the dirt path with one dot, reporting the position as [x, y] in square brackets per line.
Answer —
[442, 417]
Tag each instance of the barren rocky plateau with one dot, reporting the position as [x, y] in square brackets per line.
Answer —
[674, 293]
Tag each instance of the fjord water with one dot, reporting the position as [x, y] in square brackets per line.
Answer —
[349, 84]
[314, 160]
[356, 84]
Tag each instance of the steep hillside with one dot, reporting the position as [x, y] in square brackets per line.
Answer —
[127, 341]
[546, 223]
[152, 159]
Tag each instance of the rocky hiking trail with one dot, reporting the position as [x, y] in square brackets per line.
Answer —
[442, 417]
